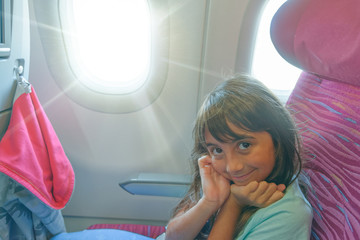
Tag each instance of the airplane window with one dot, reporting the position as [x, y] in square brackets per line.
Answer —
[268, 65]
[110, 44]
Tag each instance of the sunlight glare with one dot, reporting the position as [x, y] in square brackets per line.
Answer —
[268, 65]
[113, 43]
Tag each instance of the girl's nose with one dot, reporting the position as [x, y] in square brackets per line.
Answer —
[234, 164]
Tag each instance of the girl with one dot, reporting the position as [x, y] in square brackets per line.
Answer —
[247, 165]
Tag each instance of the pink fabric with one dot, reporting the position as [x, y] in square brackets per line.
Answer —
[321, 37]
[145, 230]
[31, 154]
[327, 114]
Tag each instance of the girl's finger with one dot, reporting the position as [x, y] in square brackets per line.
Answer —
[266, 190]
[275, 197]
[252, 186]
[281, 187]
[204, 160]
[205, 166]
[262, 188]
[272, 194]
[244, 191]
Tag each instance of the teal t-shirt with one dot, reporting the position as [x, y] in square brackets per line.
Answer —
[288, 218]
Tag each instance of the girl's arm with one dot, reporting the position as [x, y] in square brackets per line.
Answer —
[216, 189]
[224, 226]
[187, 225]
[254, 194]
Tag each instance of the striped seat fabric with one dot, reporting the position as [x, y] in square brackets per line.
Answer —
[327, 114]
[322, 37]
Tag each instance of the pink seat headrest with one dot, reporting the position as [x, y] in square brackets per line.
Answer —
[321, 37]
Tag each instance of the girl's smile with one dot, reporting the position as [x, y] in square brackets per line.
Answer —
[248, 157]
[242, 178]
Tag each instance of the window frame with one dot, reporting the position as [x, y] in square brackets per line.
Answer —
[56, 53]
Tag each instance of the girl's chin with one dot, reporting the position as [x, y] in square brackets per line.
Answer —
[240, 183]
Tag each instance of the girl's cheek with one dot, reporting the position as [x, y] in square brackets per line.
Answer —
[219, 166]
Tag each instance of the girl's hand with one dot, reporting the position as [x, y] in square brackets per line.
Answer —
[216, 188]
[257, 194]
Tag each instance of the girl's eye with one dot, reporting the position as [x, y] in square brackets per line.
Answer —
[216, 151]
[244, 145]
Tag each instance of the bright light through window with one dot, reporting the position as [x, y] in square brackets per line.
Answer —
[111, 42]
[268, 65]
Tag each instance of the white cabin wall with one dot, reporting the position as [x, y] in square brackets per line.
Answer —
[224, 27]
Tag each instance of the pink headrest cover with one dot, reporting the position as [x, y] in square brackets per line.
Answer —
[321, 37]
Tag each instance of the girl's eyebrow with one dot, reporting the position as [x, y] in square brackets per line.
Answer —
[210, 144]
[242, 137]
[237, 138]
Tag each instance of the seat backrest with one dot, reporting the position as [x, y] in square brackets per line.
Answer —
[14, 54]
[322, 37]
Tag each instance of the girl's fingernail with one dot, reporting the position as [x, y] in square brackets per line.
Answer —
[202, 157]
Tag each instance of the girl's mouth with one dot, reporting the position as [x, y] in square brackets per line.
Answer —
[242, 178]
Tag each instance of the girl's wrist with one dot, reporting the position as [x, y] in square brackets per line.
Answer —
[209, 205]
[234, 203]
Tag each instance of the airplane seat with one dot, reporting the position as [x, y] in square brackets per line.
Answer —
[322, 37]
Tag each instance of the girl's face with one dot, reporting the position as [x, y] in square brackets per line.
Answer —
[250, 157]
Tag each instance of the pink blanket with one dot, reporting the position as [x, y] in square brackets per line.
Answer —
[31, 154]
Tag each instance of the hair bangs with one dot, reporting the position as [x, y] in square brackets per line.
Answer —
[218, 125]
[219, 129]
